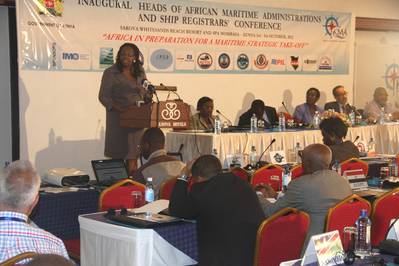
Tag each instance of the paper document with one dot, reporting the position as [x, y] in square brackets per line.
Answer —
[153, 207]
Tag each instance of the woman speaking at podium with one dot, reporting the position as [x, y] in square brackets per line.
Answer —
[121, 88]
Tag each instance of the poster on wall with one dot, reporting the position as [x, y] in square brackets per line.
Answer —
[182, 37]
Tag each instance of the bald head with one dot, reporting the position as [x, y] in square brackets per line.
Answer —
[316, 157]
[380, 95]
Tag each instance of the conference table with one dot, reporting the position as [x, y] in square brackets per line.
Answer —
[195, 143]
[104, 243]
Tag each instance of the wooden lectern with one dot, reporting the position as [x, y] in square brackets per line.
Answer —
[164, 114]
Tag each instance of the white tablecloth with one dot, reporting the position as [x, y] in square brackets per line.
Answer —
[386, 138]
[105, 244]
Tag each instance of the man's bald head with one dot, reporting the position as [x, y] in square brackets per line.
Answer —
[316, 157]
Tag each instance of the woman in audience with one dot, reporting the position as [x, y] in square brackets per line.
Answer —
[334, 130]
[304, 113]
[203, 119]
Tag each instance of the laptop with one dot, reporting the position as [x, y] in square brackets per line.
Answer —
[109, 171]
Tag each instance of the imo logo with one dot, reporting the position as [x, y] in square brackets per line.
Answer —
[242, 61]
[75, 56]
[161, 59]
[106, 56]
[204, 60]
[224, 60]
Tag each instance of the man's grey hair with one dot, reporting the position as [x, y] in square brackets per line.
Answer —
[19, 185]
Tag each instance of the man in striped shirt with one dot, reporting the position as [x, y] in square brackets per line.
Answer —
[19, 193]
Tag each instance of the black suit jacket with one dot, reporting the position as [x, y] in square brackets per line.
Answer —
[245, 118]
[334, 105]
[228, 215]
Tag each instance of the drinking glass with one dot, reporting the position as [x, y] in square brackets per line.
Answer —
[348, 243]
[137, 199]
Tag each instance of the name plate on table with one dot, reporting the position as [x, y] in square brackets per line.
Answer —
[278, 157]
[356, 178]
[394, 231]
[326, 249]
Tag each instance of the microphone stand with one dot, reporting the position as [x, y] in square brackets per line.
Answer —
[259, 164]
[228, 120]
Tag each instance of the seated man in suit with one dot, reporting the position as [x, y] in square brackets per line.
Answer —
[19, 194]
[227, 210]
[266, 113]
[373, 109]
[204, 119]
[340, 104]
[159, 165]
[334, 130]
[314, 192]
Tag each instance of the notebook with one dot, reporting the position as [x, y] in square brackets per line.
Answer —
[109, 171]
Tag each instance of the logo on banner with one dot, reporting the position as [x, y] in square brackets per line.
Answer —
[224, 60]
[242, 61]
[392, 77]
[294, 62]
[185, 61]
[50, 7]
[325, 63]
[333, 29]
[204, 61]
[277, 63]
[75, 60]
[261, 61]
[161, 59]
[106, 57]
[309, 63]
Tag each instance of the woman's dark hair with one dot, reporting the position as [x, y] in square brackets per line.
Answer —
[206, 166]
[334, 126]
[314, 89]
[202, 101]
[137, 68]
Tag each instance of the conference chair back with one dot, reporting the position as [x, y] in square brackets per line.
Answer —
[345, 213]
[119, 195]
[167, 187]
[296, 171]
[241, 173]
[281, 237]
[354, 164]
[385, 208]
[269, 174]
[18, 258]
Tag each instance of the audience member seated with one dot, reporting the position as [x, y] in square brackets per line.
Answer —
[334, 130]
[314, 192]
[266, 113]
[19, 193]
[227, 210]
[49, 260]
[372, 110]
[340, 104]
[204, 119]
[304, 113]
[159, 165]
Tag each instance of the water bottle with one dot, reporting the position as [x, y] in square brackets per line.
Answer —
[218, 125]
[336, 167]
[297, 148]
[316, 119]
[281, 122]
[371, 146]
[286, 178]
[362, 243]
[352, 117]
[254, 124]
[253, 157]
[149, 190]
[381, 119]
[393, 168]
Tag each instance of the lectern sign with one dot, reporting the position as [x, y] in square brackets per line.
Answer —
[166, 114]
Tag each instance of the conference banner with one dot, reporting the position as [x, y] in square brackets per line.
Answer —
[182, 37]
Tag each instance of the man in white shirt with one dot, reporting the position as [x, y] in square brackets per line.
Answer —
[373, 109]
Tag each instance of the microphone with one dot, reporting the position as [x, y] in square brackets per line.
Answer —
[260, 163]
[357, 137]
[180, 148]
[228, 120]
[148, 86]
[285, 107]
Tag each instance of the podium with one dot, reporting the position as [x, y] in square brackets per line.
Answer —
[164, 114]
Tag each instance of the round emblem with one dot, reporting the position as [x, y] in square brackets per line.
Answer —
[204, 60]
[242, 61]
[224, 60]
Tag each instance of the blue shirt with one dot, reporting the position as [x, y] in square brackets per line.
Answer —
[302, 113]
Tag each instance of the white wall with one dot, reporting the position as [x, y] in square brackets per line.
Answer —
[62, 123]
[5, 93]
